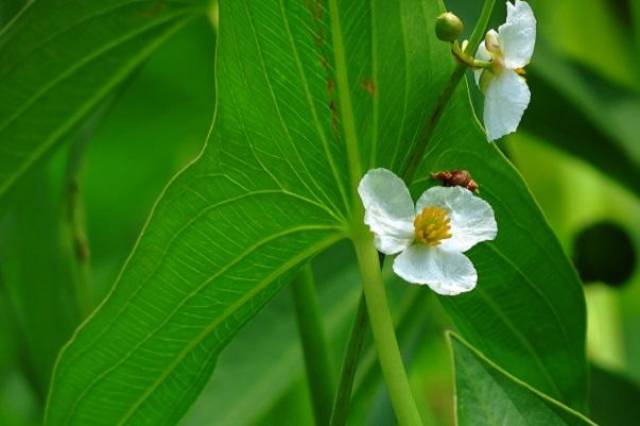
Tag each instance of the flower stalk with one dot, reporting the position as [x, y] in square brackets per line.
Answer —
[459, 52]
[383, 332]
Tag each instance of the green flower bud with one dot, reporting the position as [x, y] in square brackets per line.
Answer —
[449, 27]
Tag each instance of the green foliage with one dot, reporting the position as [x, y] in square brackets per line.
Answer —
[309, 95]
[87, 48]
[272, 189]
[36, 259]
[488, 395]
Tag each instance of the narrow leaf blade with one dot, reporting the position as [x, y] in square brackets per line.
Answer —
[488, 395]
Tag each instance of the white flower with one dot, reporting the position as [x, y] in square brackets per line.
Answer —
[509, 50]
[430, 236]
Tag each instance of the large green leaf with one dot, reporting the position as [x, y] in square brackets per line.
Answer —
[272, 188]
[59, 58]
[488, 395]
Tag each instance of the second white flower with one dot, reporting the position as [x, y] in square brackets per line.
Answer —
[508, 51]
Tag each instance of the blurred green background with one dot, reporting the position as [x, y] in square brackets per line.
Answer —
[578, 149]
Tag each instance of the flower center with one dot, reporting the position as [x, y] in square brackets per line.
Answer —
[432, 226]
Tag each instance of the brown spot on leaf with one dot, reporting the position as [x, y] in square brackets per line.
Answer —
[155, 9]
[369, 86]
[316, 8]
[334, 118]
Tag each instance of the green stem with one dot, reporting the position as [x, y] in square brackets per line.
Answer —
[349, 366]
[76, 222]
[75, 214]
[411, 307]
[314, 344]
[420, 148]
[384, 334]
[409, 314]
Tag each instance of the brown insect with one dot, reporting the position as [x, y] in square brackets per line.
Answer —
[456, 178]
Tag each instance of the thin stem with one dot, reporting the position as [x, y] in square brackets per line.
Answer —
[76, 222]
[75, 212]
[467, 59]
[349, 365]
[420, 148]
[384, 334]
[314, 344]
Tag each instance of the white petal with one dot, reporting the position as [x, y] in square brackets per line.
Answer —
[482, 55]
[472, 218]
[388, 210]
[447, 273]
[506, 99]
[518, 35]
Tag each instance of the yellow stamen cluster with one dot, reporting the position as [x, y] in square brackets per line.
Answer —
[432, 226]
